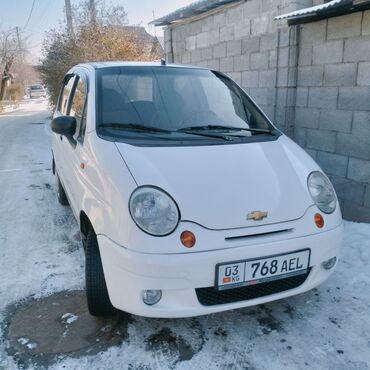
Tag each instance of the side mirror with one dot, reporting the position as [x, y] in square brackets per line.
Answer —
[64, 125]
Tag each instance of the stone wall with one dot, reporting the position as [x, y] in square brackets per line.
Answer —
[312, 80]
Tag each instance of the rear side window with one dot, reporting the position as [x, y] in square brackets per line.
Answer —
[63, 106]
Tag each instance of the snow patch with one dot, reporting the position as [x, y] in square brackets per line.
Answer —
[27, 342]
[69, 318]
[23, 341]
[31, 345]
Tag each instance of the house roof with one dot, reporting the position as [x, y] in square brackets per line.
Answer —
[330, 9]
[140, 32]
[196, 8]
[144, 37]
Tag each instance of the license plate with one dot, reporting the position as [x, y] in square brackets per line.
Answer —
[261, 270]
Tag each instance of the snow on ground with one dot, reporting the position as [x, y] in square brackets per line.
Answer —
[10, 107]
[327, 328]
[40, 254]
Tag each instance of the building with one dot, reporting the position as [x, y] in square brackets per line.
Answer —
[151, 44]
[305, 62]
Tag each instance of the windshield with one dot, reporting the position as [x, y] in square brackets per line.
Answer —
[170, 103]
[36, 87]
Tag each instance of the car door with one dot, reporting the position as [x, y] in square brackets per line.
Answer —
[75, 155]
[58, 145]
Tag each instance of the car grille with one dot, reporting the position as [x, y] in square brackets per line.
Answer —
[269, 233]
[211, 297]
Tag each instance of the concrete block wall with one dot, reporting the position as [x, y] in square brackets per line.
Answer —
[332, 119]
[241, 40]
[312, 80]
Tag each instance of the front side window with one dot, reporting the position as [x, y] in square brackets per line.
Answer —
[181, 104]
[78, 107]
[64, 98]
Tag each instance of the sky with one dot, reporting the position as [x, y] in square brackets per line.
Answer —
[46, 15]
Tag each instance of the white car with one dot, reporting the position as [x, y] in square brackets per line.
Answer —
[189, 200]
[37, 91]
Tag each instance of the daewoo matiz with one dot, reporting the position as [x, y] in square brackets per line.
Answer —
[189, 200]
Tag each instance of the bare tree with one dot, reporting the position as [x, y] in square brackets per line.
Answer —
[12, 50]
[105, 36]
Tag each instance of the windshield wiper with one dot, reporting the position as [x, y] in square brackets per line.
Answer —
[133, 126]
[228, 128]
[223, 137]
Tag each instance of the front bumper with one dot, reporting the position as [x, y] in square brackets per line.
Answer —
[129, 273]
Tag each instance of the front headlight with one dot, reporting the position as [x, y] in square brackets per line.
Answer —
[154, 211]
[322, 192]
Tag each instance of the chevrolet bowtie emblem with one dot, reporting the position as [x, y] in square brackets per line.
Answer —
[257, 216]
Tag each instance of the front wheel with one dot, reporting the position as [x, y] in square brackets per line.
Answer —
[98, 301]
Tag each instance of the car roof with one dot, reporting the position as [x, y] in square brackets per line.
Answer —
[99, 65]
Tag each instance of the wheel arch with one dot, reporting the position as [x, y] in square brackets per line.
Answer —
[85, 226]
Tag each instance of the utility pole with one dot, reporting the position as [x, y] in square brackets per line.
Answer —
[155, 28]
[92, 9]
[20, 48]
[69, 17]
[18, 38]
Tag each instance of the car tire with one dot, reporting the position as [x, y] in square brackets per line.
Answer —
[62, 196]
[98, 301]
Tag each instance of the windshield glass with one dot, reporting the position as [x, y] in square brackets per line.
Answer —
[36, 87]
[184, 102]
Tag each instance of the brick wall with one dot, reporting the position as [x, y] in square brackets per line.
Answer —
[312, 80]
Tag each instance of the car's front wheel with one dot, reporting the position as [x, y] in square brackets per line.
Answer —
[98, 301]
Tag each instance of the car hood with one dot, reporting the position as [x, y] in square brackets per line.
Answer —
[218, 186]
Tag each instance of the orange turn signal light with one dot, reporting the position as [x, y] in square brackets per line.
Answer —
[319, 221]
[188, 239]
